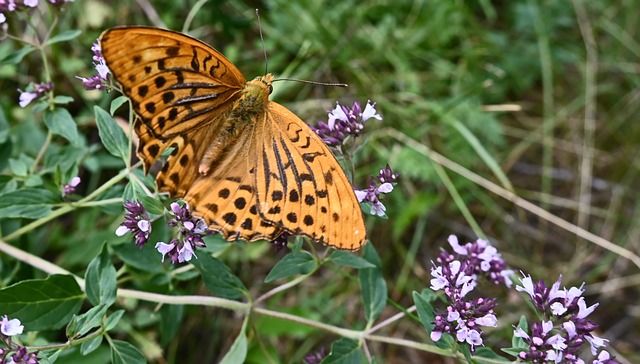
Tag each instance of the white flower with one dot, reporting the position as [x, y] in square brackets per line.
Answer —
[488, 320]
[436, 335]
[26, 98]
[459, 249]
[570, 328]
[334, 114]
[370, 112]
[143, 225]
[31, 3]
[121, 230]
[557, 342]
[102, 69]
[10, 327]
[185, 253]
[558, 308]
[583, 310]
[595, 342]
[164, 248]
[377, 208]
[527, 285]
[361, 194]
[439, 281]
[518, 332]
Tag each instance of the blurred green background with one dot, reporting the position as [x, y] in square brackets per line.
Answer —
[539, 97]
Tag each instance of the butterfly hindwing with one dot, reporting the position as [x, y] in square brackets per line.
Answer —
[301, 186]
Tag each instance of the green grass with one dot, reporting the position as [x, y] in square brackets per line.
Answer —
[537, 98]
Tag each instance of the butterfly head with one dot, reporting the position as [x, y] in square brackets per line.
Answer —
[265, 80]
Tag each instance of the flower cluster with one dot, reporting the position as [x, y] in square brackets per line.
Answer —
[479, 256]
[560, 337]
[9, 6]
[344, 122]
[315, 357]
[101, 80]
[463, 316]
[70, 188]
[281, 242]
[136, 221]
[34, 91]
[21, 355]
[191, 231]
[382, 184]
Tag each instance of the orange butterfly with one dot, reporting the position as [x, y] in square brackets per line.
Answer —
[248, 166]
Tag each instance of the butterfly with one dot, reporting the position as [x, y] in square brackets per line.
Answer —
[246, 165]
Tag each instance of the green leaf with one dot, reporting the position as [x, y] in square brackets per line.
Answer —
[425, 309]
[124, 353]
[62, 100]
[373, 286]
[112, 320]
[151, 204]
[147, 259]
[32, 203]
[485, 352]
[344, 351]
[101, 279]
[346, 259]
[218, 277]
[60, 122]
[18, 56]
[116, 103]
[112, 136]
[91, 345]
[170, 322]
[42, 304]
[19, 167]
[64, 36]
[292, 264]
[81, 324]
[238, 351]
[518, 342]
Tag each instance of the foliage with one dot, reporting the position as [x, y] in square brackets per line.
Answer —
[529, 100]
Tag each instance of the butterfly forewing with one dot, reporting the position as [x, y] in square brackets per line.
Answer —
[249, 167]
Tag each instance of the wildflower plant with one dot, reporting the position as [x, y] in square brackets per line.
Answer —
[92, 251]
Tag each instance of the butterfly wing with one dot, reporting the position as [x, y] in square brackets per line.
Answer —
[180, 88]
[301, 187]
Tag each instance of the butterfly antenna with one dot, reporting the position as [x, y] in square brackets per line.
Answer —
[332, 84]
[264, 49]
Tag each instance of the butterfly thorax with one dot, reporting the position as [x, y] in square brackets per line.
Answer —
[253, 100]
[249, 107]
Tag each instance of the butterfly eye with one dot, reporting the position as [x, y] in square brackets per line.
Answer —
[270, 89]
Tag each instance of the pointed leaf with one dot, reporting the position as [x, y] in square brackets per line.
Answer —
[101, 279]
[64, 36]
[112, 136]
[346, 259]
[373, 285]
[124, 353]
[345, 351]
[60, 122]
[42, 304]
[238, 351]
[32, 203]
[116, 103]
[292, 264]
[218, 277]
[82, 324]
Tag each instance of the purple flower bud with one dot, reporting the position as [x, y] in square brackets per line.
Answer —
[136, 222]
